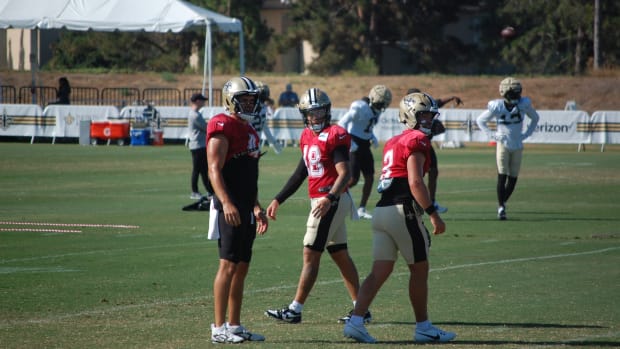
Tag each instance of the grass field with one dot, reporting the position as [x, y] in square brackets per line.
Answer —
[120, 265]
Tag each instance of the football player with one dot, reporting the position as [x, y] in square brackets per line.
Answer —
[436, 129]
[236, 215]
[260, 121]
[397, 223]
[509, 113]
[325, 162]
[359, 121]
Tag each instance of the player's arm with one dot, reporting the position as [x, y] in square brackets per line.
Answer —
[443, 101]
[346, 119]
[534, 117]
[482, 120]
[217, 148]
[293, 183]
[415, 177]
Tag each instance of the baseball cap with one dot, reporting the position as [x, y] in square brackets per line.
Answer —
[197, 96]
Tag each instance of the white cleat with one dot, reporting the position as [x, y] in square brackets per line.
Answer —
[359, 333]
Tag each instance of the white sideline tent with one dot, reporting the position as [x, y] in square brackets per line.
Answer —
[122, 15]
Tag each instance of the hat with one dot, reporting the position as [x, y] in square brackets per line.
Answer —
[197, 96]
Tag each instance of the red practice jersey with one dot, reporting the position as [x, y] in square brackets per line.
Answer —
[317, 153]
[240, 170]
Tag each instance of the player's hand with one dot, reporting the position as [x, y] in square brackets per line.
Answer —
[262, 223]
[439, 226]
[231, 214]
[458, 101]
[272, 209]
[322, 207]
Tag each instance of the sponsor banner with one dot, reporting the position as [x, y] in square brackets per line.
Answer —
[605, 127]
[561, 127]
[554, 126]
[24, 120]
[68, 117]
[171, 120]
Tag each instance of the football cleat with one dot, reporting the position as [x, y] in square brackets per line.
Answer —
[245, 334]
[346, 318]
[284, 314]
[363, 214]
[223, 335]
[195, 196]
[501, 213]
[433, 334]
[359, 333]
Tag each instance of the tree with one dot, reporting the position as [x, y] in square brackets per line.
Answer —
[561, 40]
[256, 36]
[342, 31]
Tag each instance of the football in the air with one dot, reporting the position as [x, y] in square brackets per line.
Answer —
[508, 33]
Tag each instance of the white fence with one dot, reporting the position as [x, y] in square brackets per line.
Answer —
[554, 126]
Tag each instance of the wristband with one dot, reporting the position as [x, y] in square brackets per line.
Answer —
[430, 210]
[331, 197]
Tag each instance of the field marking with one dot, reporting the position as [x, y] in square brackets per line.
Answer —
[12, 270]
[123, 226]
[54, 318]
[36, 230]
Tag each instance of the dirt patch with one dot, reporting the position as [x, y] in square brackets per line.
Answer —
[591, 93]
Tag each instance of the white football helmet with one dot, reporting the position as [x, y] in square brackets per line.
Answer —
[235, 88]
[380, 97]
[315, 100]
[510, 89]
[414, 103]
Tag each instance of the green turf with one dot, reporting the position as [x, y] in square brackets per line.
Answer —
[549, 277]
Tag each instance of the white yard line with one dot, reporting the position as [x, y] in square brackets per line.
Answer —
[122, 226]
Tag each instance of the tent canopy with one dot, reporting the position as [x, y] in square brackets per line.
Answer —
[121, 15]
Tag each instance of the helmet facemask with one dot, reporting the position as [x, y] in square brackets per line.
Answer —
[248, 110]
[316, 119]
[424, 123]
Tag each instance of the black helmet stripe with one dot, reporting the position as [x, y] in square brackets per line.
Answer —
[248, 83]
[313, 96]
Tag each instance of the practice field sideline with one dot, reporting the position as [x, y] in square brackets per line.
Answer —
[140, 272]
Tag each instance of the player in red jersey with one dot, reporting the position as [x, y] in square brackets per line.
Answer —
[397, 221]
[236, 215]
[325, 162]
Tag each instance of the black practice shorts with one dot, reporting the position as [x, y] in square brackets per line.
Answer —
[362, 160]
[235, 243]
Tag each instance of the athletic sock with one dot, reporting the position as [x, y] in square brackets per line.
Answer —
[296, 306]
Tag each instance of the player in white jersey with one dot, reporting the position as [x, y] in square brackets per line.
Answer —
[509, 114]
[359, 121]
[260, 121]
